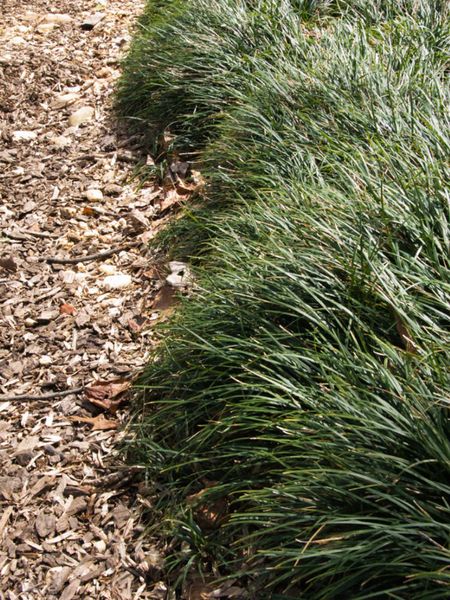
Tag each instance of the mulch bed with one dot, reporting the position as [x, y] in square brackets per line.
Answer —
[77, 288]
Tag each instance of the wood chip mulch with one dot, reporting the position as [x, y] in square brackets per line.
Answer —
[77, 289]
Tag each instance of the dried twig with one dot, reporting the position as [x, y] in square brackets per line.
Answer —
[28, 397]
[40, 234]
[25, 235]
[93, 155]
[89, 257]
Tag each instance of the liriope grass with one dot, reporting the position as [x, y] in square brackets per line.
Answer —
[305, 381]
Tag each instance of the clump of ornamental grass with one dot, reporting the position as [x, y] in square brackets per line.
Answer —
[294, 419]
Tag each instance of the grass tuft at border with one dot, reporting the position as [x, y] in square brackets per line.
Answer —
[304, 385]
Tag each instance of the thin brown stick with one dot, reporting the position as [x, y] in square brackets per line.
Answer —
[89, 257]
[24, 235]
[93, 156]
[39, 234]
[28, 397]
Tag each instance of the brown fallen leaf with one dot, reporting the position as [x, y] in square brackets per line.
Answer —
[164, 299]
[153, 273]
[211, 516]
[100, 422]
[206, 589]
[67, 309]
[103, 393]
[88, 211]
[136, 323]
[196, 183]
[200, 591]
[166, 140]
[183, 187]
[171, 198]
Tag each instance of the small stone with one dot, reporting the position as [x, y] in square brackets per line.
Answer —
[90, 22]
[180, 275]
[46, 27]
[5, 58]
[112, 189]
[68, 276]
[58, 18]
[175, 280]
[82, 115]
[120, 280]
[94, 195]
[24, 136]
[25, 457]
[108, 269]
[45, 360]
[100, 546]
[17, 40]
[60, 141]
[64, 100]
[47, 315]
[103, 73]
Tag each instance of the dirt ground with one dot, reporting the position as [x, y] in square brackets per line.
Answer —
[77, 289]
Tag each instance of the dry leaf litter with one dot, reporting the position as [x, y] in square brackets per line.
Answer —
[79, 292]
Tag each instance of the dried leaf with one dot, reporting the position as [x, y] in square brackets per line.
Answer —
[67, 309]
[171, 198]
[199, 591]
[212, 515]
[88, 211]
[136, 323]
[100, 422]
[102, 393]
[164, 299]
